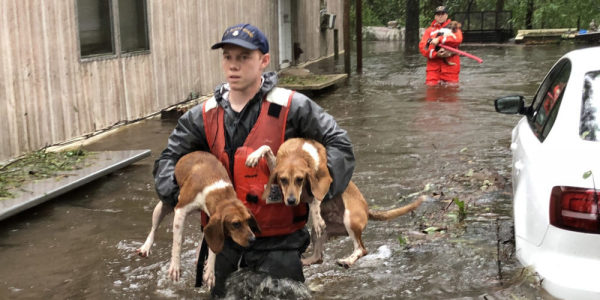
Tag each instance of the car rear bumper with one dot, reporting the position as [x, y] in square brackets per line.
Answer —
[567, 261]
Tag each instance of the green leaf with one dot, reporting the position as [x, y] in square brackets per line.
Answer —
[462, 212]
[402, 241]
[431, 229]
[460, 204]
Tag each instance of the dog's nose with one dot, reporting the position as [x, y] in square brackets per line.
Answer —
[291, 200]
[251, 239]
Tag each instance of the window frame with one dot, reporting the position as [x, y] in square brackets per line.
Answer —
[146, 30]
[540, 129]
[115, 31]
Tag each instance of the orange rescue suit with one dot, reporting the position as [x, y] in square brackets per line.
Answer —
[438, 68]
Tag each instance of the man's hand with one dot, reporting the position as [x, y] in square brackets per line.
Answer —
[435, 41]
[443, 53]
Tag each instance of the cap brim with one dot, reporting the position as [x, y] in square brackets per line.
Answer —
[237, 42]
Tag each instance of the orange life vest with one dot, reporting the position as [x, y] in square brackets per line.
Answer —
[269, 129]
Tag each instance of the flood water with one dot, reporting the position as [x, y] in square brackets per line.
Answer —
[444, 142]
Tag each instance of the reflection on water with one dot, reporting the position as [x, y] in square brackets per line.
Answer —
[446, 142]
[442, 93]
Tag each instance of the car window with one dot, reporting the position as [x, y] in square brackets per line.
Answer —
[548, 98]
[589, 125]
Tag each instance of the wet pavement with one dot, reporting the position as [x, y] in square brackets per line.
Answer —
[444, 142]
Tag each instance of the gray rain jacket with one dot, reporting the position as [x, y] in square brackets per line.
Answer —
[306, 119]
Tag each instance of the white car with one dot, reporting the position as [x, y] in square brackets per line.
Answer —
[556, 176]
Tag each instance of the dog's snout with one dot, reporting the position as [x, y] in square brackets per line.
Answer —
[291, 200]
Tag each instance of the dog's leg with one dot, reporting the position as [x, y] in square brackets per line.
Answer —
[318, 224]
[317, 255]
[178, 222]
[159, 213]
[262, 151]
[208, 276]
[355, 232]
[198, 214]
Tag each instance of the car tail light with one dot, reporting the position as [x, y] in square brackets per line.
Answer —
[575, 209]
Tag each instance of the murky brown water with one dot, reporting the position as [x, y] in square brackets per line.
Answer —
[406, 136]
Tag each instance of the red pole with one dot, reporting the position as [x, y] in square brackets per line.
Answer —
[463, 53]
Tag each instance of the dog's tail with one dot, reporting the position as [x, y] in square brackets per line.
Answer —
[384, 215]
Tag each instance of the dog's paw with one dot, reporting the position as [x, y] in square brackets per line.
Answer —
[311, 261]
[143, 252]
[208, 277]
[254, 158]
[344, 263]
[174, 271]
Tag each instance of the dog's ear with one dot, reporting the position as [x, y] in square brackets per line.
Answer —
[319, 183]
[271, 184]
[252, 223]
[214, 233]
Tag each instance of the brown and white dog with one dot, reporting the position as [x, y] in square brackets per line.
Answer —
[300, 169]
[204, 186]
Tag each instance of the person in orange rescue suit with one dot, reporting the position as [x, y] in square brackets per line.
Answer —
[443, 66]
[246, 112]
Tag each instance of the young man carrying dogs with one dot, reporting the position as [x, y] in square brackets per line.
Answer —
[245, 113]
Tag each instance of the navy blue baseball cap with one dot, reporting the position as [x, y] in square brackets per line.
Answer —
[246, 36]
[441, 10]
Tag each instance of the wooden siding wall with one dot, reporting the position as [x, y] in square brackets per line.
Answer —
[48, 95]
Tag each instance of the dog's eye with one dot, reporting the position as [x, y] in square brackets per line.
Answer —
[236, 225]
[299, 180]
[284, 181]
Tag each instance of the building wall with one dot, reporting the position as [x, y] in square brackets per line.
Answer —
[48, 95]
[314, 41]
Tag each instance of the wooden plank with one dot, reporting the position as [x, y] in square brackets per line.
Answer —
[52, 123]
[18, 37]
[8, 145]
[76, 78]
[68, 113]
[158, 53]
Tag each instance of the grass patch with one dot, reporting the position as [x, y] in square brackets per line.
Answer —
[308, 79]
[38, 165]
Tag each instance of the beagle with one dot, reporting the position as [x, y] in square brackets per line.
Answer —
[204, 185]
[300, 170]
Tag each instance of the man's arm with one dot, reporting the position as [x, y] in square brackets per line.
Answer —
[425, 42]
[427, 46]
[307, 119]
[187, 136]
